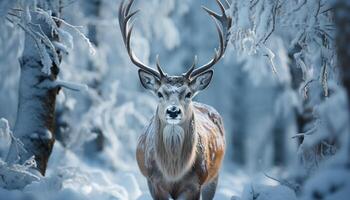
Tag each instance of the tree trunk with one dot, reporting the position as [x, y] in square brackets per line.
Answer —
[342, 20]
[34, 125]
[238, 116]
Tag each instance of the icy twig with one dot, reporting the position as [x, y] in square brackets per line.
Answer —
[292, 186]
[272, 178]
[39, 39]
[309, 132]
[274, 13]
[304, 88]
[45, 40]
[70, 85]
[49, 84]
[75, 28]
[14, 15]
[61, 47]
[270, 55]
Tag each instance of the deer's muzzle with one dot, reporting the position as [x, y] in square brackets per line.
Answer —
[173, 114]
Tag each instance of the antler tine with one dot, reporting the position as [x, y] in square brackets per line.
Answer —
[160, 70]
[227, 3]
[224, 34]
[187, 75]
[222, 8]
[127, 8]
[124, 19]
[211, 13]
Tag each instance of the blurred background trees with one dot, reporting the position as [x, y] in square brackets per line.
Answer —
[279, 87]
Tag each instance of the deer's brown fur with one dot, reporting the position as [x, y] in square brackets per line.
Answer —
[208, 155]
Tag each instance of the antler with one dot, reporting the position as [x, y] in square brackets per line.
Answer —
[124, 18]
[224, 34]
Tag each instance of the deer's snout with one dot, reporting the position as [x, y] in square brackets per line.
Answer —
[173, 112]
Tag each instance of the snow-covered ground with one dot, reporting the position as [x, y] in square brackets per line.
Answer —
[69, 177]
[277, 83]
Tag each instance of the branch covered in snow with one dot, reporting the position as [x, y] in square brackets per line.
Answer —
[47, 49]
[71, 85]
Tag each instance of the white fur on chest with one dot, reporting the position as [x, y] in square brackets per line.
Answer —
[177, 155]
[173, 139]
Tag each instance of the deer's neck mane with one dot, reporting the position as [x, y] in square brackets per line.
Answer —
[175, 148]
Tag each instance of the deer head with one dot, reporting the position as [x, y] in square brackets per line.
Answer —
[175, 93]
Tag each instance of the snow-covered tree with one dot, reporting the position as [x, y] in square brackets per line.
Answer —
[310, 83]
[278, 89]
[45, 43]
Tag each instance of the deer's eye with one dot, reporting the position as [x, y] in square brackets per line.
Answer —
[188, 95]
[160, 95]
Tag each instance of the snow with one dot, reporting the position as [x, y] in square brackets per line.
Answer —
[66, 38]
[70, 85]
[329, 184]
[16, 176]
[69, 177]
[5, 138]
[102, 108]
[262, 192]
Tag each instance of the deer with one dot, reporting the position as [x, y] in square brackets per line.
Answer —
[181, 150]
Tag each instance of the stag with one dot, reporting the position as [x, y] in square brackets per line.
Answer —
[181, 150]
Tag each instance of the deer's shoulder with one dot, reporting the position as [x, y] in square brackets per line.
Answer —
[211, 144]
[209, 118]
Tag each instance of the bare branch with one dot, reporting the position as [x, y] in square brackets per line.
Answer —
[274, 13]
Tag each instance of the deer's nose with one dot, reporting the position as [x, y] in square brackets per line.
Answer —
[173, 111]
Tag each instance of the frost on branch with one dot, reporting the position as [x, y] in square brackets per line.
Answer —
[71, 86]
[307, 31]
[18, 176]
[5, 137]
[263, 192]
[28, 20]
[14, 176]
[306, 24]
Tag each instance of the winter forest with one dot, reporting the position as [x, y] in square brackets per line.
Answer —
[72, 106]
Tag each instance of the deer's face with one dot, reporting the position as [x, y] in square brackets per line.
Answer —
[175, 94]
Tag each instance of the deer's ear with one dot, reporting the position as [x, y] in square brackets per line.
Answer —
[149, 81]
[201, 81]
